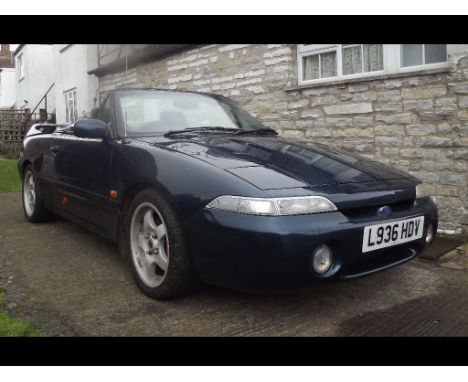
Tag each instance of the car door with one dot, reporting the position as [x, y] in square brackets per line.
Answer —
[43, 160]
[82, 186]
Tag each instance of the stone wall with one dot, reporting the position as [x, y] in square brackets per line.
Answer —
[417, 122]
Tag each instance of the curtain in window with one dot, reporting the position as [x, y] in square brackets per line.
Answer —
[435, 53]
[411, 54]
[311, 67]
[373, 57]
[328, 61]
[352, 62]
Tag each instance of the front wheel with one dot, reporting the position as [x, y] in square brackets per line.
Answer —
[34, 211]
[156, 247]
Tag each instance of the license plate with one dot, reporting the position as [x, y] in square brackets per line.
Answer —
[392, 233]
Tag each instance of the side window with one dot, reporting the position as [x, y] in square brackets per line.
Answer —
[104, 113]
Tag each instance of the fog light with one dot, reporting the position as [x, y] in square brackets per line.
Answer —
[429, 234]
[322, 259]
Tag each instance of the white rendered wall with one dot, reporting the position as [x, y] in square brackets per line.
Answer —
[71, 64]
[7, 87]
[38, 77]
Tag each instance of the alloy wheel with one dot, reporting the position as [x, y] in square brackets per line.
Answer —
[29, 193]
[149, 244]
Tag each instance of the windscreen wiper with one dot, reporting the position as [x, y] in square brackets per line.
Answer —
[201, 129]
[264, 130]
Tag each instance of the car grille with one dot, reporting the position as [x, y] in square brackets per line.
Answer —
[380, 260]
[363, 213]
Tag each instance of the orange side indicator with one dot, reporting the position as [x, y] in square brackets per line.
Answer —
[113, 194]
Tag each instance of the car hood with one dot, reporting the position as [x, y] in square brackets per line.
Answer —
[273, 162]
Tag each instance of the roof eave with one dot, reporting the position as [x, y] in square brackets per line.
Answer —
[18, 49]
[136, 59]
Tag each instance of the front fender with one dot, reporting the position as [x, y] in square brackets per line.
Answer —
[188, 182]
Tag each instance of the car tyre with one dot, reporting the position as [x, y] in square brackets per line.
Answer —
[33, 207]
[164, 234]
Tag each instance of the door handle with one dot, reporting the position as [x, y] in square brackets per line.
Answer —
[55, 148]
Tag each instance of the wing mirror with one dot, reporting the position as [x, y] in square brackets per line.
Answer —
[90, 128]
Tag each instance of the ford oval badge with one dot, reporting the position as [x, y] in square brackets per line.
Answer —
[384, 211]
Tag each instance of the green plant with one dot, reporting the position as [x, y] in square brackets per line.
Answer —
[11, 327]
[9, 177]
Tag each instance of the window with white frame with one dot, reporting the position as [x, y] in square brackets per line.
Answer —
[362, 58]
[20, 64]
[422, 54]
[71, 114]
[324, 63]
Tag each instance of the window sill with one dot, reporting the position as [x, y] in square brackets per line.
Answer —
[342, 82]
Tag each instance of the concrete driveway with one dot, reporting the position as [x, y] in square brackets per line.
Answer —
[72, 282]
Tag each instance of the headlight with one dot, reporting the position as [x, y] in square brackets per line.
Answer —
[244, 205]
[304, 205]
[273, 206]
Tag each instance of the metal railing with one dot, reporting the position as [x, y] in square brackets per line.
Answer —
[44, 98]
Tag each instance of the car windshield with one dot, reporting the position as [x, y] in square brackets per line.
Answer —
[146, 112]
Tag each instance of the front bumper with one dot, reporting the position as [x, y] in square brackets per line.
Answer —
[265, 253]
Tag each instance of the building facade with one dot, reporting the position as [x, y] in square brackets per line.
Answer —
[60, 70]
[7, 78]
[404, 105]
[7, 88]
[34, 77]
[75, 90]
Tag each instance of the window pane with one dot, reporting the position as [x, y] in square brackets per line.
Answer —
[66, 108]
[435, 53]
[20, 67]
[411, 54]
[352, 62]
[328, 64]
[310, 67]
[373, 57]
[75, 111]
